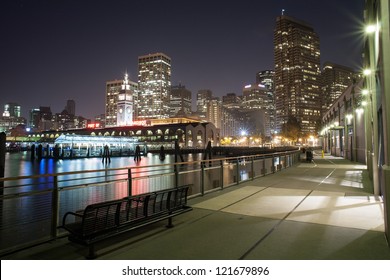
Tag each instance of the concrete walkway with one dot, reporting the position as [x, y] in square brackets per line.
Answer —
[320, 210]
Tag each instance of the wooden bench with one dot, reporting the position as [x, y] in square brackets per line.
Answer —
[103, 220]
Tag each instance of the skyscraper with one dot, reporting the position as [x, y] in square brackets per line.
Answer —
[267, 78]
[257, 98]
[12, 110]
[203, 97]
[297, 73]
[71, 107]
[180, 101]
[154, 80]
[335, 80]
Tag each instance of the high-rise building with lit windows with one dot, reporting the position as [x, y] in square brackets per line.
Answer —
[154, 80]
[203, 97]
[12, 110]
[180, 101]
[116, 90]
[297, 73]
[335, 80]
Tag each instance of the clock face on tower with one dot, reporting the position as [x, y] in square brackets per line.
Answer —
[120, 110]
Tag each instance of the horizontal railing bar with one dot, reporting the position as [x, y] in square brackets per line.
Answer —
[137, 167]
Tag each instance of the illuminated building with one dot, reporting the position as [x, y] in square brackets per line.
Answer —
[180, 101]
[257, 98]
[203, 97]
[11, 117]
[154, 79]
[336, 79]
[213, 115]
[113, 91]
[125, 104]
[11, 110]
[297, 73]
[231, 101]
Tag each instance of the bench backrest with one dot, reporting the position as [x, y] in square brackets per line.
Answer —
[104, 216]
[132, 208]
[178, 198]
[100, 217]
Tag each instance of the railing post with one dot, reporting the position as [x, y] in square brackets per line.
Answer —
[264, 170]
[129, 183]
[253, 169]
[54, 208]
[238, 171]
[273, 163]
[176, 175]
[221, 162]
[202, 164]
[285, 160]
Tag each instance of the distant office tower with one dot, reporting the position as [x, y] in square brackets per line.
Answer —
[266, 78]
[45, 118]
[154, 79]
[297, 73]
[71, 107]
[214, 112]
[203, 97]
[11, 117]
[180, 101]
[12, 110]
[256, 97]
[335, 80]
[113, 92]
[231, 101]
[34, 117]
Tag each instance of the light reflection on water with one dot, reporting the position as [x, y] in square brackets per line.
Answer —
[19, 164]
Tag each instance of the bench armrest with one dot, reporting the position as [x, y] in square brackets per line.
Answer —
[70, 213]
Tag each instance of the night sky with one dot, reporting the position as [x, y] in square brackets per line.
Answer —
[56, 50]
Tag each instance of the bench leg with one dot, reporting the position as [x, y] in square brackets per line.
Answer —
[91, 252]
[170, 225]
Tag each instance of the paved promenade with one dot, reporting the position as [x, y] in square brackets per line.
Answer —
[320, 210]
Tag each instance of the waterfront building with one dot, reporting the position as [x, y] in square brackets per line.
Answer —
[297, 73]
[125, 104]
[188, 132]
[376, 92]
[335, 80]
[180, 101]
[344, 125]
[113, 90]
[154, 79]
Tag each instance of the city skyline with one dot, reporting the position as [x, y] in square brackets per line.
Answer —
[53, 52]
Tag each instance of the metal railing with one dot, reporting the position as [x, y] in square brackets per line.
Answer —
[32, 207]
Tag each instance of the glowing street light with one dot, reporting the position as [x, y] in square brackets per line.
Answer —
[371, 28]
[367, 72]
